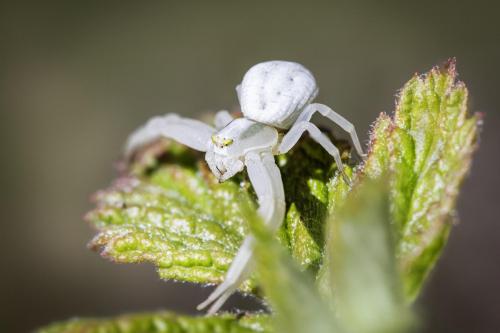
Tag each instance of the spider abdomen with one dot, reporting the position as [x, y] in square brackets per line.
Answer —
[275, 92]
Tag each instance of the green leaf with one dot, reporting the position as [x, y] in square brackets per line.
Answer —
[425, 149]
[364, 275]
[171, 212]
[172, 215]
[163, 322]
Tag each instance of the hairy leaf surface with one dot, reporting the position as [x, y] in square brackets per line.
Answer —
[162, 322]
[425, 149]
[170, 211]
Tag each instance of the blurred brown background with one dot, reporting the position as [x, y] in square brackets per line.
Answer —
[77, 77]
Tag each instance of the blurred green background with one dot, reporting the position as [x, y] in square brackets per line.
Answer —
[77, 77]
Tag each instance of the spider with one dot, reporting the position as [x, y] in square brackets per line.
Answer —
[276, 102]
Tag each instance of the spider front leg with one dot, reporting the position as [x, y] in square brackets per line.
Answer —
[294, 134]
[192, 133]
[266, 180]
[327, 112]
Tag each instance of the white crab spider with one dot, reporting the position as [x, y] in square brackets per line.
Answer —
[275, 99]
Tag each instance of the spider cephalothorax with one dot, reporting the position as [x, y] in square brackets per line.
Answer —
[275, 96]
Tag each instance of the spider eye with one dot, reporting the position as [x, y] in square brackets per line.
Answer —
[221, 142]
[227, 142]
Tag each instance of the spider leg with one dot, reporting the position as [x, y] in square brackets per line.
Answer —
[222, 118]
[237, 273]
[294, 134]
[267, 183]
[336, 118]
[192, 133]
